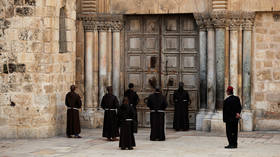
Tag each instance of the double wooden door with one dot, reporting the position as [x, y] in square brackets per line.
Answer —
[162, 50]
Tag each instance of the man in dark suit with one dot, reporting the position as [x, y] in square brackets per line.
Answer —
[231, 115]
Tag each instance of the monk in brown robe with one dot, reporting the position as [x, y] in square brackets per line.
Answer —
[73, 103]
[110, 104]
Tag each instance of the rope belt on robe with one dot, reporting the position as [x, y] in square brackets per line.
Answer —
[109, 109]
[157, 111]
[72, 108]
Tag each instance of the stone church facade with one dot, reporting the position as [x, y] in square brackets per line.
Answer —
[47, 45]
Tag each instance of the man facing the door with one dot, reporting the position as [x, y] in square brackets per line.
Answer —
[157, 104]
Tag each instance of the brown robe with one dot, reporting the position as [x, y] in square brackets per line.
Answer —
[73, 102]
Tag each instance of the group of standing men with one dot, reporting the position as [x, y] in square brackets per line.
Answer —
[124, 116]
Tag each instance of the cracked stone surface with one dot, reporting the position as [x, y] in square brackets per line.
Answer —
[177, 144]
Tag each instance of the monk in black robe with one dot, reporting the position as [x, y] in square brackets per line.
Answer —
[110, 104]
[181, 115]
[157, 104]
[126, 118]
[231, 115]
[133, 100]
[73, 103]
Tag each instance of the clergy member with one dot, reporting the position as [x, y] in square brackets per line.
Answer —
[73, 103]
[110, 104]
[133, 100]
[126, 118]
[181, 101]
[157, 104]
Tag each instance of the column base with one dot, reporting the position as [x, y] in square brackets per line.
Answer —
[199, 119]
[247, 120]
[91, 118]
[206, 122]
[217, 124]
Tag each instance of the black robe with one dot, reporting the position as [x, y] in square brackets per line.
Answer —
[181, 116]
[231, 106]
[134, 100]
[126, 118]
[73, 103]
[157, 104]
[110, 104]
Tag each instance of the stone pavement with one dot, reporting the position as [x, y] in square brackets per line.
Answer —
[177, 144]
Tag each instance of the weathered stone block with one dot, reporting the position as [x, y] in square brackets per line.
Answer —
[259, 96]
[24, 11]
[30, 2]
[276, 76]
[264, 75]
[261, 30]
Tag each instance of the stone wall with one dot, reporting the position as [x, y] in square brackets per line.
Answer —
[266, 71]
[34, 75]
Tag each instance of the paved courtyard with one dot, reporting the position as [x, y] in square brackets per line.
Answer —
[178, 144]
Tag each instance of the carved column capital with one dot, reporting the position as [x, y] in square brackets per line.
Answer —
[102, 22]
[219, 19]
[200, 21]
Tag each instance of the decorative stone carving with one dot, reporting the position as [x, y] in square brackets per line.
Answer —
[102, 22]
[222, 19]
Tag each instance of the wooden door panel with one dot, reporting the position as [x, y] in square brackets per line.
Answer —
[134, 62]
[190, 80]
[154, 42]
[135, 43]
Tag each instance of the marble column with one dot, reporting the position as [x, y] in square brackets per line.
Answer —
[95, 69]
[116, 62]
[109, 57]
[203, 68]
[103, 82]
[211, 71]
[89, 36]
[227, 64]
[203, 78]
[220, 66]
[240, 54]
[234, 59]
[247, 114]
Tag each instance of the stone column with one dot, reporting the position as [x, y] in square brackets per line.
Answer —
[95, 69]
[116, 62]
[203, 67]
[203, 78]
[247, 115]
[211, 71]
[103, 82]
[89, 69]
[227, 64]
[220, 66]
[234, 58]
[109, 57]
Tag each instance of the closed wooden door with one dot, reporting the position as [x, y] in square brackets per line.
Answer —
[162, 50]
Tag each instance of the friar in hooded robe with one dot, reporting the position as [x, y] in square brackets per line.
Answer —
[73, 103]
[181, 101]
[157, 104]
[126, 118]
[110, 104]
[133, 100]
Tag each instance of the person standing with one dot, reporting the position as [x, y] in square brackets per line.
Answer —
[181, 101]
[157, 104]
[231, 115]
[133, 100]
[110, 104]
[126, 117]
[73, 103]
